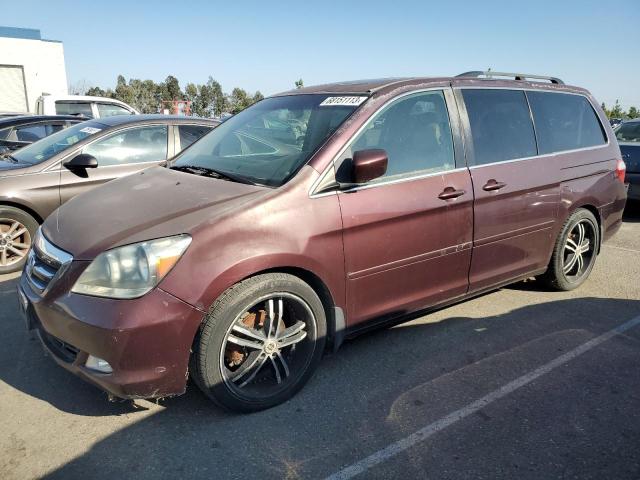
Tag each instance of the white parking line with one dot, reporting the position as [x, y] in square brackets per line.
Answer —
[426, 432]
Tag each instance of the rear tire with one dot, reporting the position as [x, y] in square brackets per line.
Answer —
[575, 252]
[260, 343]
[17, 230]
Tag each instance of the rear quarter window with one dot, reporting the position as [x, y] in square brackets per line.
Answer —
[564, 122]
[501, 125]
[191, 133]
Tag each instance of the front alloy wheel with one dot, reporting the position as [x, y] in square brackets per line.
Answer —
[260, 343]
[17, 230]
[265, 350]
[15, 242]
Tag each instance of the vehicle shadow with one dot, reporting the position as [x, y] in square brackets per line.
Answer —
[348, 400]
[631, 212]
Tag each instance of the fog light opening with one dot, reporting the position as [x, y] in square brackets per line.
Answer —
[98, 364]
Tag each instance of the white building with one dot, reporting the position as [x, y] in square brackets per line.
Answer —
[29, 67]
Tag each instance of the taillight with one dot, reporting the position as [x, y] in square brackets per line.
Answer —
[621, 169]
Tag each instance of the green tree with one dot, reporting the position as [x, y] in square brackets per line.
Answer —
[633, 112]
[239, 100]
[171, 89]
[96, 92]
[257, 97]
[209, 100]
[124, 92]
[219, 98]
[299, 83]
[616, 111]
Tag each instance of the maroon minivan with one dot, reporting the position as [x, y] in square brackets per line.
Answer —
[316, 214]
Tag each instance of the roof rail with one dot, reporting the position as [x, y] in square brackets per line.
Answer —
[517, 76]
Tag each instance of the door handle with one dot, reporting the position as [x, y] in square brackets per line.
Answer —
[492, 185]
[450, 192]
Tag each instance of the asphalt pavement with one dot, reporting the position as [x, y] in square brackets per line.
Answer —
[520, 383]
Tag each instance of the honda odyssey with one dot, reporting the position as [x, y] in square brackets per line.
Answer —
[313, 215]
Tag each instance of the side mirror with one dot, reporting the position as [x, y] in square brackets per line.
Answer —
[368, 165]
[365, 165]
[81, 162]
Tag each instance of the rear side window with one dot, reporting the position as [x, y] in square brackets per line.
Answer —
[110, 110]
[564, 122]
[74, 108]
[30, 133]
[501, 125]
[191, 133]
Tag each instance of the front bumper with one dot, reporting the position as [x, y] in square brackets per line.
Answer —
[147, 341]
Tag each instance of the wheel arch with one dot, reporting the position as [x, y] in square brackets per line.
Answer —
[21, 206]
[589, 206]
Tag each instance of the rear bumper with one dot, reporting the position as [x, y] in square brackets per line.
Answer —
[147, 341]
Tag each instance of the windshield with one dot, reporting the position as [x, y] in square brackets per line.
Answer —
[270, 141]
[628, 132]
[46, 148]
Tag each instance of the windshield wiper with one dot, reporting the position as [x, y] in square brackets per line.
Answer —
[10, 158]
[210, 172]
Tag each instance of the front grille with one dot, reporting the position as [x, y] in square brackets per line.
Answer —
[39, 272]
[44, 263]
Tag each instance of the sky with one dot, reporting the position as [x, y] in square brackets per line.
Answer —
[267, 45]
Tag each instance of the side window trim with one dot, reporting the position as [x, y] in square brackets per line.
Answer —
[455, 123]
[533, 122]
[173, 142]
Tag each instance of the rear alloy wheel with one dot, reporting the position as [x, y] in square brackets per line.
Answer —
[575, 251]
[261, 342]
[17, 229]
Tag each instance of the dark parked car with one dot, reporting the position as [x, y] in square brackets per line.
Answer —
[628, 135]
[37, 179]
[19, 131]
[615, 122]
[314, 215]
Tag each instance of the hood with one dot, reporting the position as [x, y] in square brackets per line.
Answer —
[154, 203]
[631, 156]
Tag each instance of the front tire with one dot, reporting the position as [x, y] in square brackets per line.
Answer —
[575, 252]
[260, 343]
[17, 230]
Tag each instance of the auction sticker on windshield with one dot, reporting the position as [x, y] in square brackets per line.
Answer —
[342, 101]
[90, 130]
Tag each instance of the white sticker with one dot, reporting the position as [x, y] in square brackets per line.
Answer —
[90, 130]
[342, 101]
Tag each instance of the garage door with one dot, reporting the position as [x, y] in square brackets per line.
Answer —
[13, 96]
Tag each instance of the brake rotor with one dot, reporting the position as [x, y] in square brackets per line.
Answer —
[235, 354]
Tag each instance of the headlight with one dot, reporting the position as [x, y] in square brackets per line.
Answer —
[132, 270]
